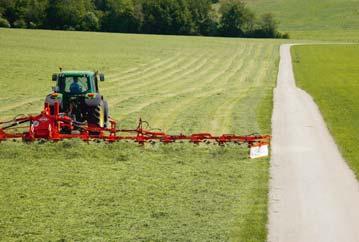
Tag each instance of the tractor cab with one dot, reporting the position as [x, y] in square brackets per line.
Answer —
[77, 83]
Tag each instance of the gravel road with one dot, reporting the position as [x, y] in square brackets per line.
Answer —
[314, 196]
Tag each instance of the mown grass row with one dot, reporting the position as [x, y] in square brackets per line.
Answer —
[216, 89]
[72, 190]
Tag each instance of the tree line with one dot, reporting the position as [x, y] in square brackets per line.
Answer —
[229, 18]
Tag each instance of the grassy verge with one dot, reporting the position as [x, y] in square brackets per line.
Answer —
[330, 74]
[77, 191]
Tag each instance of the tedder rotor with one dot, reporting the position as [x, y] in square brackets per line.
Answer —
[76, 109]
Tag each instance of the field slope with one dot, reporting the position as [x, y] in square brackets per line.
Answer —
[330, 74]
[77, 191]
[308, 19]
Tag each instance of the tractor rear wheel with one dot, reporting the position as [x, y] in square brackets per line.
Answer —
[107, 114]
[97, 115]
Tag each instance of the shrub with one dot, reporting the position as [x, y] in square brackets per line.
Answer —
[236, 19]
[285, 36]
[21, 24]
[268, 25]
[32, 25]
[90, 22]
[4, 23]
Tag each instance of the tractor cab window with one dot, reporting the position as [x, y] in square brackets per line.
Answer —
[74, 85]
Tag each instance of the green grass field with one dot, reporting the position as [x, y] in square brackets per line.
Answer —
[77, 191]
[330, 74]
[308, 19]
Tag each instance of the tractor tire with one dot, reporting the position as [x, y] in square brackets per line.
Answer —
[96, 115]
[107, 113]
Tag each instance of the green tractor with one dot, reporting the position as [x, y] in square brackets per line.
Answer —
[78, 94]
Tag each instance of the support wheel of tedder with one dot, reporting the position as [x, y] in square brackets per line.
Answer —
[98, 116]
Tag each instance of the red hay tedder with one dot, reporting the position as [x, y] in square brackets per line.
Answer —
[55, 123]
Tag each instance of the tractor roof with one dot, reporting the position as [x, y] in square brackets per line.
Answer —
[78, 73]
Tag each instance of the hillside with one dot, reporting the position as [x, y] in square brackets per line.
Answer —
[322, 19]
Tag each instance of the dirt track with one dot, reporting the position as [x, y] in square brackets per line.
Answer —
[314, 195]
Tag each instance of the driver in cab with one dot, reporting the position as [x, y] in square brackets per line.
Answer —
[76, 87]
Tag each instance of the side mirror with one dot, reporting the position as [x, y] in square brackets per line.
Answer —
[54, 77]
[102, 77]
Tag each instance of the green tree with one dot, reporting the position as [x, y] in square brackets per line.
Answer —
[35, 13]
[100, 4]
[121, 16]
[167, 17]
[20, 24]
[66, 14]
[203, 17]
[24, 12]
[4, 23]
[9, 11]
[90, 22]
[236, 18]
[268, 25]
